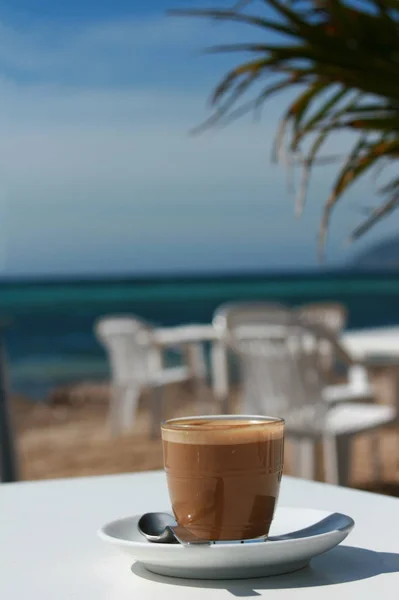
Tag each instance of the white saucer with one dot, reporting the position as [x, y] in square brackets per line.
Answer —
[230, 561]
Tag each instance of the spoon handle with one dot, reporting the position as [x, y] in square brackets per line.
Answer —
[334, 522]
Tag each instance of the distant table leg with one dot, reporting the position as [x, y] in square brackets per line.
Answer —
[220, 374]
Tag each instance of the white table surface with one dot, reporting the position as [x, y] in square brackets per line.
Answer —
[49, 549]
[185, 334]
[360, 343]
[365, 344]
[372, 342]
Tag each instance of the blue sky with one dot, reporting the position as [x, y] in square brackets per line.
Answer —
[98, 172]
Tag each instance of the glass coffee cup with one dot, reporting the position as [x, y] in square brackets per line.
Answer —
[223, 474]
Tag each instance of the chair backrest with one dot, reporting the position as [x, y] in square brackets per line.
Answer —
[331, 315]
[246, 318]
[128, 342]
[281, 362]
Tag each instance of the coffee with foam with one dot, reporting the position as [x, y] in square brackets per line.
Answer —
[224, 474]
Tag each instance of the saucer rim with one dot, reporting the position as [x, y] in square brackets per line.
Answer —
[106, 537]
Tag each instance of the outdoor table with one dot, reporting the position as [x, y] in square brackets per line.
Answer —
[366, 345]
[49, 548]
[378, 348]
[374, 342]
[192, 335]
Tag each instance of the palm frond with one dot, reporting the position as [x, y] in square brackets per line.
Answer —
[321, 138]
[362, 157]
[345, 55]
[377, 214]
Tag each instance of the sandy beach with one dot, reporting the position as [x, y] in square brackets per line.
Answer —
[68, 437]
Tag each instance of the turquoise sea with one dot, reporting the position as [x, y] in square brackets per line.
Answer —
[49, 333]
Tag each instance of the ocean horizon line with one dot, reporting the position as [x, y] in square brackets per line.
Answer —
[151, 278]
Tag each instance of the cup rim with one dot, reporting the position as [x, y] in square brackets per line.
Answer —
[251, 420]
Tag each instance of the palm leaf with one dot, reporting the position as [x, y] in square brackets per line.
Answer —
[376, 124]
[357, 163]
[322, 113]
[318, 142]
[377, 214]
[347, 57]
[233, 15]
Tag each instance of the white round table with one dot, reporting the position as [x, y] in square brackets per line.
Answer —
[50, 551]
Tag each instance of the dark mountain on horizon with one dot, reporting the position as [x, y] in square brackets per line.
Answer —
[382, 255]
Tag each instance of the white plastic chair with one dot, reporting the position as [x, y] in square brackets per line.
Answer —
[333, 317]
[136, 364]
[328, 314]
[219, 348]
[283, 375]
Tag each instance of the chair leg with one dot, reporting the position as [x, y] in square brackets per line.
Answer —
[344, 458]
[220, 375]
[122, 406]
[330, 456]
[156, 411]
[195, 357]
[305, 458]
[337, 459]
[196, 360]
[130, 398]
[114, 412]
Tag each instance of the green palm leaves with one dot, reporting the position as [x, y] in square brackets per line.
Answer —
[344, 58]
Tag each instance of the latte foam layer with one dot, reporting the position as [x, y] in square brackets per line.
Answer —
[222, 430]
